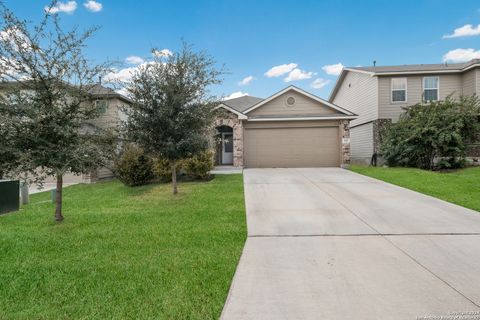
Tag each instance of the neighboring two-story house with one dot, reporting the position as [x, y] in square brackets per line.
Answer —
[378, 95]
[110, 104]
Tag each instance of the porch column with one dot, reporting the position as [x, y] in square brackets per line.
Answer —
[345, 134]
[238, 144]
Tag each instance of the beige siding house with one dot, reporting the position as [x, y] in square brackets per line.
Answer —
[292, 128]
[111, 103]
[379, 95]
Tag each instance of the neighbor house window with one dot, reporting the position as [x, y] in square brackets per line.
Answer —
[101, 106]
[430, 88]
[399, 89]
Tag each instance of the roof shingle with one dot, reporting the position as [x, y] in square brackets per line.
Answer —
[242, 103]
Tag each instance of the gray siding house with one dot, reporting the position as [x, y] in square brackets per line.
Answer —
[379, 94]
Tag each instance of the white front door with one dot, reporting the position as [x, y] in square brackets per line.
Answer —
[227, 148]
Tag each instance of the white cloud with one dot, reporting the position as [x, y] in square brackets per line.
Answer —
[67, 7]
[9, 68]
[246, 81]
[333, 69]
[467, 30]
[234, 95]
[277, 71]
[297, 74]
[461, 55]
[162, 53]
[121, 75]
[319, 83]
[123, 92]
[93, 6]
[134, 60]
[14, 35]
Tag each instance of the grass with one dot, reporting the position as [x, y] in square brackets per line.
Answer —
[123, 252]
[461, 187]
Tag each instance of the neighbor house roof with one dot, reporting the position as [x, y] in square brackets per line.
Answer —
[96, 90]
[406, 69]
[415, 68]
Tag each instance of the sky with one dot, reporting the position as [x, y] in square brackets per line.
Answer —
[268, 45]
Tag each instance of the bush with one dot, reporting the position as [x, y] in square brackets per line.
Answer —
[133, 167]
[435, 131]
[163, 170]
[199, 166]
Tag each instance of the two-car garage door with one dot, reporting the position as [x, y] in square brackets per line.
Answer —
[290, 147]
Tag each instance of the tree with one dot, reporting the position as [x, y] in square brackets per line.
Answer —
[46, 105]
[438, 130]
[172, 110]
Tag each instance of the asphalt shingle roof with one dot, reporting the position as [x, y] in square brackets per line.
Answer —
[243, 103]
[418, 67]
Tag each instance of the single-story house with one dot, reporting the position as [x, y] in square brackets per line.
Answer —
[291, 128]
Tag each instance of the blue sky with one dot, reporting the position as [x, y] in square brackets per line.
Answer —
[251, 37]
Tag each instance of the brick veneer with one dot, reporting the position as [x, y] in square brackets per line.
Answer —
[232, 121]
[345, 132]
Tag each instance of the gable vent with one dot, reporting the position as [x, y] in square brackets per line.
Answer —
[290, 101]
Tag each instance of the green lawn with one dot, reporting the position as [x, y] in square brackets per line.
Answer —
[123, 252]
[461, 187]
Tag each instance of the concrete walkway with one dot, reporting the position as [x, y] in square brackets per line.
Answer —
[332, 244]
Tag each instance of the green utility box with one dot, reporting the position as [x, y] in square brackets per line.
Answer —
[9, 196]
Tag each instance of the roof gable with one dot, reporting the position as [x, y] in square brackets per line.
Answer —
[329, 107]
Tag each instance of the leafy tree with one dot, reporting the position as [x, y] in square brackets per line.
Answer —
[438, 130]
[172, 110]
[46, 105]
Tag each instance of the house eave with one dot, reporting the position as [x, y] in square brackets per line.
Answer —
[240, 115]
[303, 118]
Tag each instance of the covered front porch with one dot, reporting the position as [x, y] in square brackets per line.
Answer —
[224, 146]
[228, 142]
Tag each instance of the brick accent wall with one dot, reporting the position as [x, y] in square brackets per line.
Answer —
[232, 121]
[345, 133]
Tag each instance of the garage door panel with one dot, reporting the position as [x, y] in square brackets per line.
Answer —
[292, 147]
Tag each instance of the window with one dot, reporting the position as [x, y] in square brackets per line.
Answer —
[399, 89]
[101, 106]
[430, 88]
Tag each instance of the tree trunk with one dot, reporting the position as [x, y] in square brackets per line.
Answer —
[174, 177]
[58, 198]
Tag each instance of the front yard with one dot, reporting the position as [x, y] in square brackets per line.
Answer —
[123, 252]
[461, 187]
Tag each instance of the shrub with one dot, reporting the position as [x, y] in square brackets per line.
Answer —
[199, 166]
[133, 167]
[163, 169]
[435, 131]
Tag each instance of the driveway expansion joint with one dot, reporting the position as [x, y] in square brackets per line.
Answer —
[358, 235]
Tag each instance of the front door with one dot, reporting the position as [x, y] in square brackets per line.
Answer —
[227, 148]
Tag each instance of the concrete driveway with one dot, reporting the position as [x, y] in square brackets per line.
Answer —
[332, 244]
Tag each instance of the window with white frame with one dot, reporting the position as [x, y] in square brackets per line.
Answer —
[399, 89]
[430, 88]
